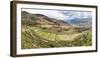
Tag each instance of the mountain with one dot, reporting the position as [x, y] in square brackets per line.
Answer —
[81, 22]
[32, 19]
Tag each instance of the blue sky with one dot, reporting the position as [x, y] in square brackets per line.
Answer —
[61, 14]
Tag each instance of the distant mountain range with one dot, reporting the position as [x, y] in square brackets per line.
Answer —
[29, 18]
[80, 22]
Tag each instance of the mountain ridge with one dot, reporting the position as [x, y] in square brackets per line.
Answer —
[41, 19]
[81, 22]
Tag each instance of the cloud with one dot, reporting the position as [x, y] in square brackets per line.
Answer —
[77, 14]
[60, 14]
[50, 13]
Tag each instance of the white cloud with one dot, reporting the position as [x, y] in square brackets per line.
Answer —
[82, 14]
[50, 13]
[77, 14]
[60, 15]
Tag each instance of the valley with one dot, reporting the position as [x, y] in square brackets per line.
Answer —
[40, 31]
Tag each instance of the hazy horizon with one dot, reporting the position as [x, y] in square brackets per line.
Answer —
[61, 14]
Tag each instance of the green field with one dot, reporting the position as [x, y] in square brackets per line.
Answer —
[36, 37]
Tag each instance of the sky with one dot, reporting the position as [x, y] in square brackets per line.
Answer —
[61, 14]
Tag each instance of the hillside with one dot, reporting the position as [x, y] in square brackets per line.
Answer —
[81, 22]
[41, 31]
[40, 19]
[34, 37]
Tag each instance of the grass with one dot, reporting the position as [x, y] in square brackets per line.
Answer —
[35, 37]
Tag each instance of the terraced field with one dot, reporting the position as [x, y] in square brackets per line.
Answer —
[35, 37]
